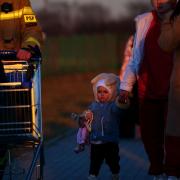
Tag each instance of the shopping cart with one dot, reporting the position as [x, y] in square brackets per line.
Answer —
[20, 112]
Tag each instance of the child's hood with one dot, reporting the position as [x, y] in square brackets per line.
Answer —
[111, 81]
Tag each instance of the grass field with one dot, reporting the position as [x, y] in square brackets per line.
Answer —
[82, 53]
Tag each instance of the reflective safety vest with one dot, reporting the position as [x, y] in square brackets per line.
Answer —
[18, 25]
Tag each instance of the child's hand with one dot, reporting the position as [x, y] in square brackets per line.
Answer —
[88, 115]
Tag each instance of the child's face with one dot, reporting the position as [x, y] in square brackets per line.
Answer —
[103, 94]
[163, 6]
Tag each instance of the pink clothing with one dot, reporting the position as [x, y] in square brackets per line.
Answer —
[82, 135]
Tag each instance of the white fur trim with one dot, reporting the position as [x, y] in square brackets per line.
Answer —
[103, 84]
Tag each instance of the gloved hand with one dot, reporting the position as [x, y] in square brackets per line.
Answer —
[23, 54]
[123, 96]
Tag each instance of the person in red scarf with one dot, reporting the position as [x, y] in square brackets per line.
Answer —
[151, 67]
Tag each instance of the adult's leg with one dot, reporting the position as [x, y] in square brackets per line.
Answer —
[152, 121]
[172, 139]
[172, 160]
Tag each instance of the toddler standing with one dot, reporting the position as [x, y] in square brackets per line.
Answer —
[105, 113]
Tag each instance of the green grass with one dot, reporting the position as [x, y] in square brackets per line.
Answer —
[80, 53]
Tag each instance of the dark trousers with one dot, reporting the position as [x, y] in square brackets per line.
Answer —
[172, 160]
[152, 116]
[108, 152]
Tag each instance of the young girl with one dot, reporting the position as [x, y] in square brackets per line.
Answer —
[105, 113]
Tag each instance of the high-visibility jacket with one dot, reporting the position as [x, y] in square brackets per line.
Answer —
[19, 27]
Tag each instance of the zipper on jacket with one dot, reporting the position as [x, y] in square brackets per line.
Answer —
[102, 126]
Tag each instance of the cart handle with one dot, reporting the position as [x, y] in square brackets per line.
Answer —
[11, 55]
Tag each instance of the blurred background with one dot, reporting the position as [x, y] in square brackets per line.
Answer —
[83, 38]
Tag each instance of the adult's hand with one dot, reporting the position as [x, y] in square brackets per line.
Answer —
[123, 96]
[23, 54]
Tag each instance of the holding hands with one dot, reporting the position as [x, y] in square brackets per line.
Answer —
[123, 97]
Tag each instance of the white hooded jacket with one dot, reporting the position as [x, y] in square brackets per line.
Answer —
[143, 23]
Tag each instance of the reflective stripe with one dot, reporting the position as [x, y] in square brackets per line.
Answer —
[31, 39]
[30, 18]
[16, 14]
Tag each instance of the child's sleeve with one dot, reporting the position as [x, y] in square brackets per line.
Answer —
[119, 108]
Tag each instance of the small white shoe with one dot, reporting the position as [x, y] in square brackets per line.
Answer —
[172, 178]
[92, 177]
[115, 177]
[159, 177]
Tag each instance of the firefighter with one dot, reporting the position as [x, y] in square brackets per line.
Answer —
[19, 30]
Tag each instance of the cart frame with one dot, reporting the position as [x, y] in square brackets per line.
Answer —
[17, 132]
